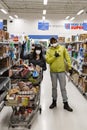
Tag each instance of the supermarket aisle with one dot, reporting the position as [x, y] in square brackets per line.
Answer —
[57, 118]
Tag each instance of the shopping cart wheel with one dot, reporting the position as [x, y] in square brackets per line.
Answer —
[40, 110]
[29, 127]
[84, 94]
[13, 126]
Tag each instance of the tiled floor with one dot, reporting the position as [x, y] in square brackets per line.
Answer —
[57, 119]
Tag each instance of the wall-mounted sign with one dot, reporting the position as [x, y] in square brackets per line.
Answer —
[67, 25]
[14, 38]
[1, 25]
[75, 26]
[85, 26]
[43, 26]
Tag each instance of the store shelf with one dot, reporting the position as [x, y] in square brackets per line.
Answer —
[76, 69]
[1, 105]
[84, 63]
[4, 42]
[2, 96]
[77, 86]
[78, 42]
[7, 68]
[3, 81]
[74, 59]
[3, 57]
[4, 70]
[83, 74]
[80, 73]
[15, 62]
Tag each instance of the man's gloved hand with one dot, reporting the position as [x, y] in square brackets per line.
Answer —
[56, 54]
[71, 72]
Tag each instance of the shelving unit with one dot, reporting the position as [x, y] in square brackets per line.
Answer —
[79, 76]
[6, 63]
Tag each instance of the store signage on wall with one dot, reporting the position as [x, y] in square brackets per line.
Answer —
[1, 25]
[75, 26]
[14, 38]
[85, 26]
[43, 26]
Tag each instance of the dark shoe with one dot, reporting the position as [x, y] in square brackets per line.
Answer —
[53, 104]
[67, 107]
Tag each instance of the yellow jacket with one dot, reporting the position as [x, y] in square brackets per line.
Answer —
[57, 64]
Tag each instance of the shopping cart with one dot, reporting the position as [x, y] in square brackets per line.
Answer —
[25, 104]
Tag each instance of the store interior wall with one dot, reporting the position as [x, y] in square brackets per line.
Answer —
[30, 26]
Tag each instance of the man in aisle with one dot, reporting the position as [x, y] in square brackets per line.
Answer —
[56, 56]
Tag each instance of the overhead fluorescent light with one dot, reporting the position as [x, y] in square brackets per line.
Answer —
[67, 17]
[1, 20]
[4, 11]
[44, 12]
[72, 18]
[16, 16]
[80, 12]
[45, 2]
[11, 17]
[43, 17]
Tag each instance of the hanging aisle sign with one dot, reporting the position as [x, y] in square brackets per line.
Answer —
[1, 25]
[43, 26]
[85, 26]
[75, 26]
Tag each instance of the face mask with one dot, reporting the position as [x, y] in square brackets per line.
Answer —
[54, 44]
[38, 51]
[51, 45]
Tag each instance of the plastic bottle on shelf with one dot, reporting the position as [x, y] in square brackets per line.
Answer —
[80, 63]
[70, 49]
[81, 50]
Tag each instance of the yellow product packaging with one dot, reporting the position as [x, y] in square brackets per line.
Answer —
[25, 101]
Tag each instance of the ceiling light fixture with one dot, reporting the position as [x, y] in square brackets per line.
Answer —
[45, 2]
[80, 12]
[72, 18]
[44, 12]
[16, 16]
[4, 11]
[67, 17]
[43, 17]
[1, 20]
[11, 17]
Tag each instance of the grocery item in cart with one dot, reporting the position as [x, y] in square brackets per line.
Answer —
[24, 86]
[13, 91]
[35, 74]
[25, 73]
